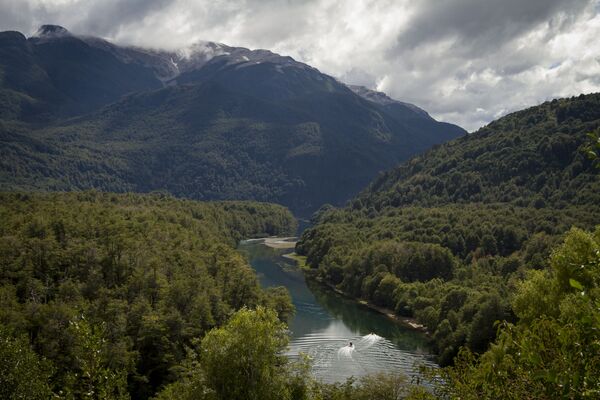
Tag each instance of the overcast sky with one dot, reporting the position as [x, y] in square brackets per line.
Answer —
[464, 61]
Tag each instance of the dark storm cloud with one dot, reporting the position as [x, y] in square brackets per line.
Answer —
[465, 61]
[480, 25]
[479, 59]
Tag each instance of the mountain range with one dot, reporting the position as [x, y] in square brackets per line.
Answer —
[206, 122]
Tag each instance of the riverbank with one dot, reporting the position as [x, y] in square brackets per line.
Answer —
[406, 321]
[281, 242]
[298, 259]
[310, 274]
[390, 314]
[325, 321]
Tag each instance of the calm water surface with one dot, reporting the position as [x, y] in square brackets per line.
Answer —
[326, 322]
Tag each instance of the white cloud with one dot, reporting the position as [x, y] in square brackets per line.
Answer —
[464, 61]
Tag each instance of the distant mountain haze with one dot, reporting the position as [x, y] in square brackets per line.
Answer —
[206, 122]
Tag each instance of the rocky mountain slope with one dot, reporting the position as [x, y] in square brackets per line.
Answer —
[207, 122]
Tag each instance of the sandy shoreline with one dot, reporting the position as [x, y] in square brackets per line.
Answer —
[281, 242]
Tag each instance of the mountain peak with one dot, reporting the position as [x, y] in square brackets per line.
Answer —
[52, 31]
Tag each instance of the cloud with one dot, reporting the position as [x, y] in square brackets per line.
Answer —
[479, 23]
[465, 61]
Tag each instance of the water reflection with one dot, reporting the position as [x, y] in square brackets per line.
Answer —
[325, 323]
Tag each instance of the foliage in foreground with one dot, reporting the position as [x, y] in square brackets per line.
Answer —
[554, 350]
[110, 289]
[243, 361]
[23, 375]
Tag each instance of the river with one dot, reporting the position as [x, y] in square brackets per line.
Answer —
[325, 323]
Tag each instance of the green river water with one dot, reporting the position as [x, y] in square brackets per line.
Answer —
[325, 323]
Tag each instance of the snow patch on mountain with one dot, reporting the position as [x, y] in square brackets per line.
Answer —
[169, 65]
[383, 99]
[50, 32]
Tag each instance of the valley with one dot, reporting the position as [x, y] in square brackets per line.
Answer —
[184, 219]
[325, 322]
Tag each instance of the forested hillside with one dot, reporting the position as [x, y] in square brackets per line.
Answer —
[532, 158]
[222, 123]
[446, 236]
[109, 289]
[553, 351]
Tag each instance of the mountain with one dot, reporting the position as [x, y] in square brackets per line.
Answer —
[410, 114]
[445, 236]
[55, 74]
[206, 122]
[531, 155]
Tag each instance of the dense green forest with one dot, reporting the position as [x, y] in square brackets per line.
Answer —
[534, 157]
[554, 349]
[553, 352]
[101, 294]
[447, 237]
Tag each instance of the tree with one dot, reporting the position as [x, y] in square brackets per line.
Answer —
[242, 360]
[279, 299]
[151, 274]
[554, 350]
[593, 149]
[482, 329]
[93, 378]
[23, 374]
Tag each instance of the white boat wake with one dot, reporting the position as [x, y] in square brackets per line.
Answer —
[345, 352]
[368, 341]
